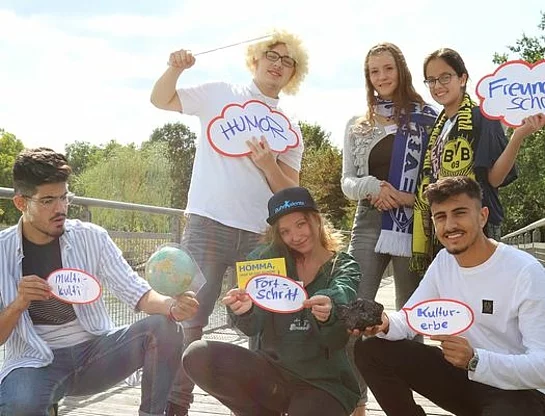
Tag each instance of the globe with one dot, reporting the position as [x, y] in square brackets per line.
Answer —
[170, 271]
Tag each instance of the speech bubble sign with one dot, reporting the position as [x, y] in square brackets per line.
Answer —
[514, 91]
[276, 293]
[439, 317]
[228, 132]
[74, 286]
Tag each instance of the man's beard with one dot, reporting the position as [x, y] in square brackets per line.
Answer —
[53, 234]
[461, 250]
[457, 250]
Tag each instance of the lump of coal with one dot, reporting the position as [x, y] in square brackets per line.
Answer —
[360, 314]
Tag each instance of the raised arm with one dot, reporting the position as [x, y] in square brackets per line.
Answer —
[164, 95]
[500, 169]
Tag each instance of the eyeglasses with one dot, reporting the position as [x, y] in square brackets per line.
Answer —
[286, 60]
[49, 202]
[443, 79]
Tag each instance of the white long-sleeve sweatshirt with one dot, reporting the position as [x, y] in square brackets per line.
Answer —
[510, 341]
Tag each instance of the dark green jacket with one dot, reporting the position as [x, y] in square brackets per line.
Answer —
[300, 345]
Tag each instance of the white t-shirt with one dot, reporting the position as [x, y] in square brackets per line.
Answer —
[507, 296]
[230, 190]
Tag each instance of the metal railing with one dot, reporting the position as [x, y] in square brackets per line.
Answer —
[137, 247]
[530, 238]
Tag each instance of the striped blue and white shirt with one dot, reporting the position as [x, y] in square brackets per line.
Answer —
[84, 246]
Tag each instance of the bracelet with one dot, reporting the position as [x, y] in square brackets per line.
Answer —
[170, 314]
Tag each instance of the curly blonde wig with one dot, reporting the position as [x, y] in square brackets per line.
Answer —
[295, 49]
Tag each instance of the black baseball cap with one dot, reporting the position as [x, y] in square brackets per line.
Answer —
[289, 200]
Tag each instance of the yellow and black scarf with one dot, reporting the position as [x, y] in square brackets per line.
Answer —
[455, 158]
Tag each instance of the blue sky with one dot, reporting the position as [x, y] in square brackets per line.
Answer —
[73, 70]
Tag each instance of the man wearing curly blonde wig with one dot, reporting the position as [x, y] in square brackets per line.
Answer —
[227, 201]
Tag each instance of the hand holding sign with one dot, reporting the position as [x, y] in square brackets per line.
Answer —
[439, 317]
[74, 286]
[276, 293]
[261, 153]
[238, 300]
[531, 125]
[456, 350]
[31, 288]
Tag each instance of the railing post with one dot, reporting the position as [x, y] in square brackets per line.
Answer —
[536, 236]
[176, 228]
[85, 214]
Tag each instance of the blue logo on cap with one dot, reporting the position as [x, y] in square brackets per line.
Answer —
[289, 204]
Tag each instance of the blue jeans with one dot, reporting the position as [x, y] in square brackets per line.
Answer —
[365, 233]
[214, 247]
[91, 367]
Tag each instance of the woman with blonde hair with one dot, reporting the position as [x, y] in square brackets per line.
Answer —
[301, 366]
[383, 153]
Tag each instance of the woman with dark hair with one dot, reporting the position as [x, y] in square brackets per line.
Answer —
[463, 143]
[301, 366]
[383, 152]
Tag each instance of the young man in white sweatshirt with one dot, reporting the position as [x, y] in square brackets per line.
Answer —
[497, 366]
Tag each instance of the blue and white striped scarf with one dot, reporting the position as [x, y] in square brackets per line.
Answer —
[410, 143]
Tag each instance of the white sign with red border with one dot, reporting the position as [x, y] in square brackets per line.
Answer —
[276, 293]
[228, 132]
[439, 317]
[514, 91]
[74, 286]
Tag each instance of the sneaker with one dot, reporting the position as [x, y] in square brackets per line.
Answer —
[174, 409]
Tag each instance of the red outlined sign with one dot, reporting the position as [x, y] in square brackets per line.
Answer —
[74, 286]
[514, 91]
[276, 293]
[228, 132]
[439, 317]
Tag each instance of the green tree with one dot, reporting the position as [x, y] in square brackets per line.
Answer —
[180, 152]
[321, 173]
[524, 200]
[82, 155]
[314, 136]
[128, 174]
[10, 147]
